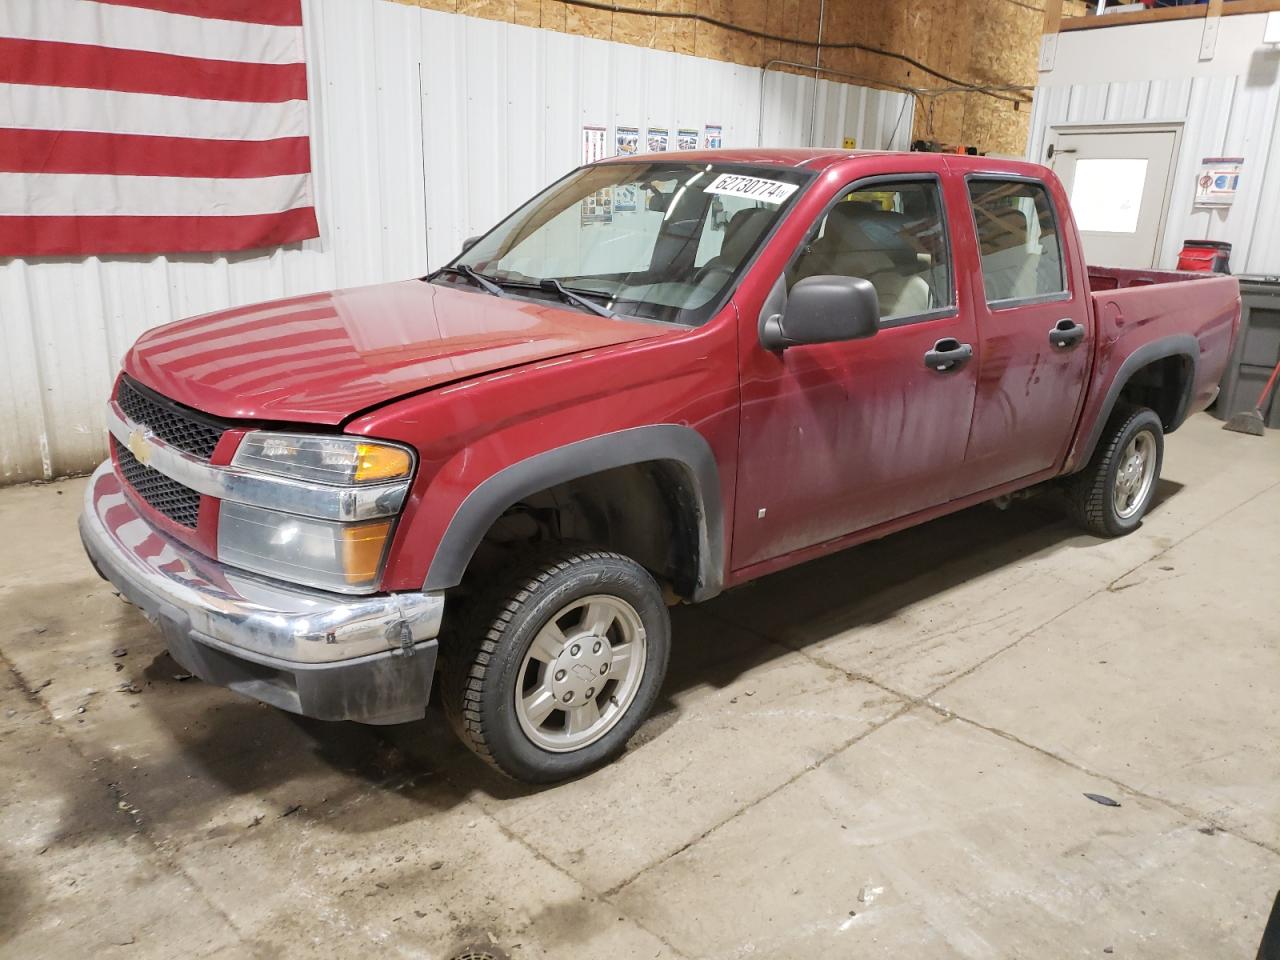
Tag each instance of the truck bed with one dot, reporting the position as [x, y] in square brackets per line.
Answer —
[1117, 278]
[1141, 315]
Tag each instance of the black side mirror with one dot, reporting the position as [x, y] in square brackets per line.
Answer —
[470, 242]
[824, 310]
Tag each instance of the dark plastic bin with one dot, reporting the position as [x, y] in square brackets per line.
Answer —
[1256, 353]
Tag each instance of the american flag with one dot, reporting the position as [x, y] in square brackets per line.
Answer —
[152, 126]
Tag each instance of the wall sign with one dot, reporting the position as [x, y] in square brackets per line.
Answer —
[594, 139]
[626, 141]
[1217, 181]
[598, 207]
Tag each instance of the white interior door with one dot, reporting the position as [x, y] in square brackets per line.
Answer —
[1118, 179]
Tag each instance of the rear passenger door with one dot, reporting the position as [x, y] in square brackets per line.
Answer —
[1033, 330]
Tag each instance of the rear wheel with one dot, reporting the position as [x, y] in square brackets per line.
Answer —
[560, 665]
[1111, 495]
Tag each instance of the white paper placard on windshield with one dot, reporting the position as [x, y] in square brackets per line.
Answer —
[751, 188]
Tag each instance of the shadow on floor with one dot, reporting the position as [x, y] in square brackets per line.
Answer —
[225, 746]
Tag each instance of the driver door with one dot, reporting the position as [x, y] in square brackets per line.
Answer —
[837, 438]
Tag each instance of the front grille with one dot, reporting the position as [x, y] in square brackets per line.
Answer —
[179, 503]
[174, 424]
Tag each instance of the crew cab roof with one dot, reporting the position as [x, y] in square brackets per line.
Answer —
[808, 157]
[820, 158]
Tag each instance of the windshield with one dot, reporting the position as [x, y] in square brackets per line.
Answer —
[656, 240]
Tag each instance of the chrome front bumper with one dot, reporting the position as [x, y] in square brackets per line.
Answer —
[368, 658]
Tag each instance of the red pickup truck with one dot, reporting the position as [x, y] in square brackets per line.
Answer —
[661, 377]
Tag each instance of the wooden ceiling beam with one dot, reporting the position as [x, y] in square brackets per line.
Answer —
[1161, 14]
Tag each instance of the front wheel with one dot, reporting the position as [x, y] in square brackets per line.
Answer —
[1110, 496]
[559, 666]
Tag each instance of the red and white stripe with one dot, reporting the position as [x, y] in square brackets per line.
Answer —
[152, 126]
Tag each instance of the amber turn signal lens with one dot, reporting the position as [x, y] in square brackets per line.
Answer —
[362, 548]
[376, 461]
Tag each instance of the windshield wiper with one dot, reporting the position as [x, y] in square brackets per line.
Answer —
[479, 279]
[551, 285]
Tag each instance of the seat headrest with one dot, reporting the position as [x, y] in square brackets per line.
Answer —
[742, 231]
[854, 227]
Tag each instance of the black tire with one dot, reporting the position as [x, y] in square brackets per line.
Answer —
[1090, 493]
[481, 664]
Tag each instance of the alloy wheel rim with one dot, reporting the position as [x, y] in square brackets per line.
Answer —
[581, 672]
[1135, 475]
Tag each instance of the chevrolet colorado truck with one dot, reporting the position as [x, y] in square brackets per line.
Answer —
[661, 377]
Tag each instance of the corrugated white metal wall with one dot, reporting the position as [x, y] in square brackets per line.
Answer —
[1224, 115]
[426, 128]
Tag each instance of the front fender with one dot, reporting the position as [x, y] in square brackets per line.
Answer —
[667, 442]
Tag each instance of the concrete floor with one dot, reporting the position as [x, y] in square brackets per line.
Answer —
[881, 754]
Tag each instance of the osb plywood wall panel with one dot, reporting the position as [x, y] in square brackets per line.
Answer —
[990, 41]
[1004, 49]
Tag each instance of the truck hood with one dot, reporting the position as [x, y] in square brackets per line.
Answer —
[324, 357]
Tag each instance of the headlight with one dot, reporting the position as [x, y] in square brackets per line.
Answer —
[344, 557]
[294, 541]
[338, 460]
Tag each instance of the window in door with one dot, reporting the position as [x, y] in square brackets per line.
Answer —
[1106, 196]
[892, 235]
[1018, 240]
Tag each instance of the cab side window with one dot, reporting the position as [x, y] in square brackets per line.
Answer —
[1017, 239]
[892, 235]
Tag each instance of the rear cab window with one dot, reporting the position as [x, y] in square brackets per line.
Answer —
[892, 234]
[1018, 241]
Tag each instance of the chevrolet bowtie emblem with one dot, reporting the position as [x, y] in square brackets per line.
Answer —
[139, 447]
